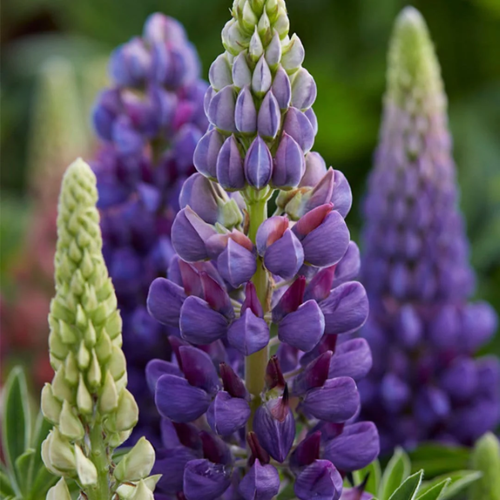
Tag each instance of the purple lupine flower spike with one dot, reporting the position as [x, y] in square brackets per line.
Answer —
[149, 122]
[244, 281]
[425, 383]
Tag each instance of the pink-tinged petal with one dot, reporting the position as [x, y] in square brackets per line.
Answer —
[270, 231]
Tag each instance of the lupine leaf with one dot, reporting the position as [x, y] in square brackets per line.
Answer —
[408, 490]
[458, 481]
[397, 470]
[436, 492]
[437, 459]
[486, 459]
[374, 473]
[16, 425]
[42, 428]
[5, 485]
[23, 465]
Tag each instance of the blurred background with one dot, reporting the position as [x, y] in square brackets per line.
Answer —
[53, 63]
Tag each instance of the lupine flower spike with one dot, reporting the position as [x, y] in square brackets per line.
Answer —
[149, 122]
[425, 383]
[87, 401]
[260, 303]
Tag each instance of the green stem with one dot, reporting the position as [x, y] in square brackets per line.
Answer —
[255, 365]
[98, 455]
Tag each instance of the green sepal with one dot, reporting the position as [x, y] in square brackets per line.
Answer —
[396, 472]
[409, 488]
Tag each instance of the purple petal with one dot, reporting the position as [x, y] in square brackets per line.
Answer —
[314, 375]
[348, 267]
[204, 480]
[236, 264]
[346, 308]
[285, 257]
[179, 401]
[269, 231]
[262, 77]
[258, 164]
[261, 482]
[342, 194]
[199, 323]
[241, 72]
[249, 333]
[199, 369]
[327, 244]
[198, 193]
[352, 359]
[357, 447]
[251, 301]
[156, 368]
[304, 327]
[336, 401]
[227, 414]
[170, 463]
[320, 480]
[189, 233]
[164, 301]
[315, 171]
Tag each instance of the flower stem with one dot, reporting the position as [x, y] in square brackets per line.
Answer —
[99, 457]
[255, 364]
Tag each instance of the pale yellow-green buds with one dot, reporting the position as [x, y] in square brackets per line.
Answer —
[59, 492]
[88, 403]
[137, 463]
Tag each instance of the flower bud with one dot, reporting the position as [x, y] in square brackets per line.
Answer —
[127, 412]
[293, 55]
[304, 90]
[142, 492]
[273, 50]
[220, 73]
[130, 64]
[288, 163]
[137, 463]
[282, 88]
[261, 78]
[83, 397]
[230, 170]
[51, 407]
[258, 164]
[85, 469]
[59, 492]
[245, 116]
[269, 117]
[241, 73]
[206, 152]
[60, 454]
[255, 49]
[70, 425]
[221, 109]
[298, 126]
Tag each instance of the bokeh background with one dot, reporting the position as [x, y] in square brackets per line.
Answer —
[53, 62]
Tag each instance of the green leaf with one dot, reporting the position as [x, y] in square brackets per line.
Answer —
[374, 472]
[23, 466]
[43, 481]
[486, 459]
[459, 480]
[5, 485]
[438, 459]
[16, 425]
[397, 470]
[436, 491]
[408, 490]
[42, 428]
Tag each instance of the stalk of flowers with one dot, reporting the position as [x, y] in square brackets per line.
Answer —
[425, 383]
[88, 403]
[149, 121]
[259, 383]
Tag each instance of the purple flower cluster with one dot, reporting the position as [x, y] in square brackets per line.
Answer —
[425, 383]
[149, 122]
[260, 379]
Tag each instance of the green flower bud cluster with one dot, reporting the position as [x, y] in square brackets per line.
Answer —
[87, 401]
